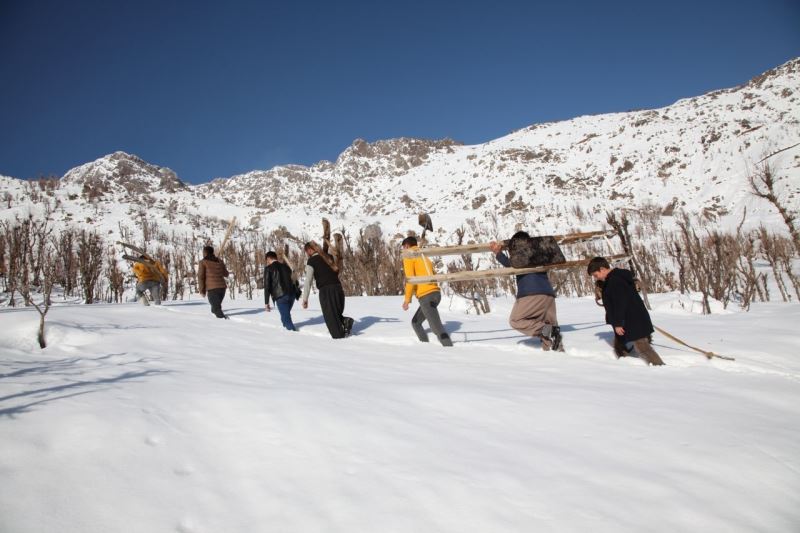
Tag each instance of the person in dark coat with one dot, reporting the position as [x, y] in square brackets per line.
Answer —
[534, 311]
[279, 285]
[331, 295]
[625, 310]
[211, 276]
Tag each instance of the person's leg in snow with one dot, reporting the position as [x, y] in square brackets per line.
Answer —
[140, 294]
[531, 314]
[284, 305]
[215, 297]
[331, 300]
[155, 292]
[646, 352]
[427, 311]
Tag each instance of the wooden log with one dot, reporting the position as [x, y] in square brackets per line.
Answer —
[470, 275]
[326, 235]
[134, 248]
[227, 236]
[569, 238]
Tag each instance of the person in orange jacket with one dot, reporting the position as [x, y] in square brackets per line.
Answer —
[149, 275]
[428, 295]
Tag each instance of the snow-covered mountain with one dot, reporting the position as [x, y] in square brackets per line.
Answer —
[695, 154]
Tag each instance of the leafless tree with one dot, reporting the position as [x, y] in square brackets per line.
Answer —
[31, 250]
[90, 263]
[67, 266]
[474, 291]
[115, 276]
[762, 184]
[620, 226]
[46, 283]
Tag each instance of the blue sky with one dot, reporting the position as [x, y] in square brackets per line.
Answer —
[212, 89]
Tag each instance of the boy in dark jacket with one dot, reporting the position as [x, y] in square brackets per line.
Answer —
[534, 312]
[625, 310]
[279, 285]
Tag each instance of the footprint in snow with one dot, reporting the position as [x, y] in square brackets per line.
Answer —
[184, 470]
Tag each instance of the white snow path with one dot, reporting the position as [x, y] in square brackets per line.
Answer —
[167, 419]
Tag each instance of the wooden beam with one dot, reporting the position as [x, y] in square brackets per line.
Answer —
[227, 236]
[471, 275]
[570, 238]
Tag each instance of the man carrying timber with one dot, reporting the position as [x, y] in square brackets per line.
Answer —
[331, 294]
[428, 295]
[534, 311]
[149, 276]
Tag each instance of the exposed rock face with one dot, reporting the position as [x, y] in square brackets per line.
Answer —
[123, 173]
[695, 154]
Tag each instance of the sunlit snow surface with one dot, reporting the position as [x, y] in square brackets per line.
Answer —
[145, 419]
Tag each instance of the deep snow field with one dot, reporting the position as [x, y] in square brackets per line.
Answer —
[145, 420]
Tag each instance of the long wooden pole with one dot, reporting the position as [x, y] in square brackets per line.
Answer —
[708, 354]
[500, 272]
[227, 236]
[484, 247]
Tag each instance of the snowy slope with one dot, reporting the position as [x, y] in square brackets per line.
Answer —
[166, 419]
[695, 155]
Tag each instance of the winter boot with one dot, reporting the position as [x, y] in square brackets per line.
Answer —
[620, 350]
[551, 338]
[347, 325]
[444, 338]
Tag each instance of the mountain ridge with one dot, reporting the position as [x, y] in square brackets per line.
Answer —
[694, 154]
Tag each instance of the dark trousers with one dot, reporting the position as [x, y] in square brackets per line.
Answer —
[331, 300]
[215, 297]
[284, 305]
[427, 311]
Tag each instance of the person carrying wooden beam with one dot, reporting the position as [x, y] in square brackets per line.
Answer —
[428, 295]
[322, 269]
[211, 276]
[150, 274]
[534, 311]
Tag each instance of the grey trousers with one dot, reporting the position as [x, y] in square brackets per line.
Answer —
[427, 311]
[153, 286]
[531, 313]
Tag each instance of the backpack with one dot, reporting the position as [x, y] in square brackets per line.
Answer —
[527, 252]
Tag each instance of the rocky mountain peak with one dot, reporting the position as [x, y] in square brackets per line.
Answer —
[123, 173]
[389, 157]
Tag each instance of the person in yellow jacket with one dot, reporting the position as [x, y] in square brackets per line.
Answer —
[428, 295]
[149, 274]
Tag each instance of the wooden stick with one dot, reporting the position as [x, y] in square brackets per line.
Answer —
[227, 236]
[500, 272]
[708, 355]
[570, 238]
[134, 248]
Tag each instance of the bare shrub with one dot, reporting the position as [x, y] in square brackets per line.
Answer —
[474, 291]
[762, 184]
[31, 266]
[90, 263]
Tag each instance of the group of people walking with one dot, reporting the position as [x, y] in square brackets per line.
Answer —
[533, 314]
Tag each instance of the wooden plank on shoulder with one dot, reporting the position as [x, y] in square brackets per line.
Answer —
[569, 238]
[471, 275]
